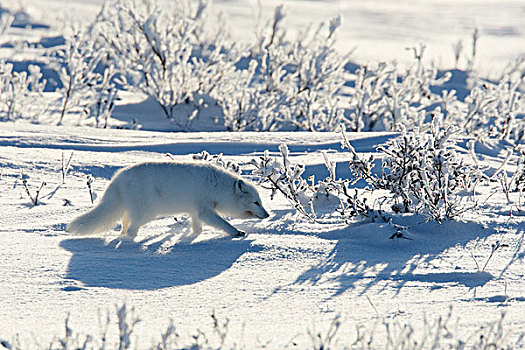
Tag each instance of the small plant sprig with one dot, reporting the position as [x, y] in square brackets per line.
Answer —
[218, 160]
[35, 198]
[516, 183]
[220, 328]
[493, 248]
[169, 337]
[286, 179]
[65, 166]
[92, 194]
[327, 339]
[351, 203]
[126, 324]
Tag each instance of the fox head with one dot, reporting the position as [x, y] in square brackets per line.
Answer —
[248, 202]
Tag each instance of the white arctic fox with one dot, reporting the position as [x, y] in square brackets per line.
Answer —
[140, 193]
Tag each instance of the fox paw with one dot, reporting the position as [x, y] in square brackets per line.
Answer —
[239, 234]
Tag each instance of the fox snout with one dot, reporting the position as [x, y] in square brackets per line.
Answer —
[257, 212]
[263, 215]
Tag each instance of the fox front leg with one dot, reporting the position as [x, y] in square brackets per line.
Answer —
[196, 224]
[213, 219]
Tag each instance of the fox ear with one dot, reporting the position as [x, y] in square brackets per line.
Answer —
[241, 185]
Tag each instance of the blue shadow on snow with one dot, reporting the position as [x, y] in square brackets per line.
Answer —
[366, 144]
[364, 258]
[132, 265]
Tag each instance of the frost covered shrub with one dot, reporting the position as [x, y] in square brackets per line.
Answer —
[165, 54]
[384, 99]
[298, 80]
[243, 105]
[422, 171]
[288, 84]
[311, 197]
[285, 178]
[497, 109]
[84, 89]
[21, 92]
[317, 80]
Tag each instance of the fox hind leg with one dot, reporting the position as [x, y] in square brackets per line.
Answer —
[125, 224]
[132, 221]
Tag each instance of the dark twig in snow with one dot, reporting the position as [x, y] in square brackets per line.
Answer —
[65, 166]
[34, 199]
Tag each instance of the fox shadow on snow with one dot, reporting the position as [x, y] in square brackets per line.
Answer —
[134, 265]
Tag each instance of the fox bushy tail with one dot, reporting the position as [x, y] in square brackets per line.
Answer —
[99, 219]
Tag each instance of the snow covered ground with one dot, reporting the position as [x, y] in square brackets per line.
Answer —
[288, 279]
[285, 277]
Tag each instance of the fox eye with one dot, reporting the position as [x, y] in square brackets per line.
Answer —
[257, 203]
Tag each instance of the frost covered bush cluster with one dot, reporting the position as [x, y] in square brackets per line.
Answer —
[185, 61]
[181, 57]
[308, 196]
[166, 55]
[421, 172]
[497, 109]
[288, 84]
[20, 93]
[437, 333]
[385, 99]
[84, 88]
[174, 58]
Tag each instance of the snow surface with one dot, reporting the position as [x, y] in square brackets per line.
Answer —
[287, 276]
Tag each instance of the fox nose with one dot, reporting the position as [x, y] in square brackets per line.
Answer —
[265, 215]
